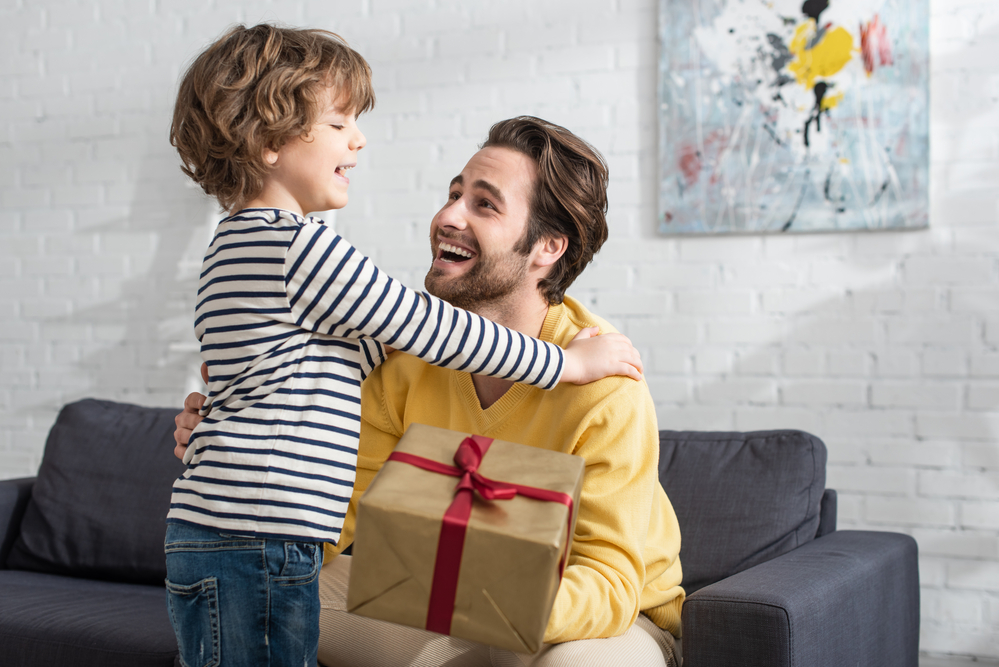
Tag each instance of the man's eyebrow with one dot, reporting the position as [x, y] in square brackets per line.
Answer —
[492, 189]
[485, 185]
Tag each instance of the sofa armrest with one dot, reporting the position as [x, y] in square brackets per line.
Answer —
[14, 496]
[849, 598]
[827, 513]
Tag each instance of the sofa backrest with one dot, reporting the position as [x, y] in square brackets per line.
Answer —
[740, 498]
[99, 504]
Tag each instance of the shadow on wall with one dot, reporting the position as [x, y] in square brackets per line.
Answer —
[883, 373]
[135, 341]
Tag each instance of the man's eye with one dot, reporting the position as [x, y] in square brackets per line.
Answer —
[485, 203]
[454, 196]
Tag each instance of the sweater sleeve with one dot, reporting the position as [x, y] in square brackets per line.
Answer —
[333, 289]
[601, 590]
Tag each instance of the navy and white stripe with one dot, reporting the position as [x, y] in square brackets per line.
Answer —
[291, 318]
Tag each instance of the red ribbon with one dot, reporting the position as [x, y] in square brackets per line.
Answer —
[451, 543]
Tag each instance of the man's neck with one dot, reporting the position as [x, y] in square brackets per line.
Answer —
[528, 318]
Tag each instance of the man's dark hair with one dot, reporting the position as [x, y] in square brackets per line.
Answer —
[569, 198]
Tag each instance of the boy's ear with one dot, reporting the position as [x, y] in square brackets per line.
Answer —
[270, 156]
[548, 251]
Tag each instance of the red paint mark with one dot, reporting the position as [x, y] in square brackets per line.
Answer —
[902, 144]
[693, 161]
[690, 164]
[715, 144]
[874, 40]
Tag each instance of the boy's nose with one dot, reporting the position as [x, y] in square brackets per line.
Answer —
[358, 141]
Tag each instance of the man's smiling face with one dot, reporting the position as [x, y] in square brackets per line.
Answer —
[473, 237]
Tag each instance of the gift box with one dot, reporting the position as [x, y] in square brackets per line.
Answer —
[465, 536]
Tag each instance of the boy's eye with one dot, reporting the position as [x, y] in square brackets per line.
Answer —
[337, 127]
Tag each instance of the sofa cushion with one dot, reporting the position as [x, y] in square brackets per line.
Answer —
[99, 505]
[740, 498]
[48, 619]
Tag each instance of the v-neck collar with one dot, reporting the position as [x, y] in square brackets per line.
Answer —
[491, 416]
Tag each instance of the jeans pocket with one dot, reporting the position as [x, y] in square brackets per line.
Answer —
[302, 561]
[194, 614]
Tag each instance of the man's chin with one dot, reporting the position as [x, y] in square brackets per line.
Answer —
[481, 285]
[439, 285]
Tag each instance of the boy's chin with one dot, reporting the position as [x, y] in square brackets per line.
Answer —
[331, 206]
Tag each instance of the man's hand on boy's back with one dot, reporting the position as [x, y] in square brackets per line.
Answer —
[186, 421]
[592, 356]
[189, 418]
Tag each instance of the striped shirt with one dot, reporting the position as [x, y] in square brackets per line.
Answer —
[291, 318]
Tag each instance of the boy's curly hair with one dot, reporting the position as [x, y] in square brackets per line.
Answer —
[257, 88]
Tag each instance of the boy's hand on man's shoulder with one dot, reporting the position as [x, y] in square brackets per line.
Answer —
[592, 356]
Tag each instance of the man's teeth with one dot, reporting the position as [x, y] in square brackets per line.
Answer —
[447, 247]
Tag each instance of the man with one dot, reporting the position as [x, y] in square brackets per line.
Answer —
[521, 222]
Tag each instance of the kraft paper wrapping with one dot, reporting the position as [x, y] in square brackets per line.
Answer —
[510, 563]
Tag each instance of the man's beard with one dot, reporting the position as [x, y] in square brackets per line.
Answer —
[487, 283]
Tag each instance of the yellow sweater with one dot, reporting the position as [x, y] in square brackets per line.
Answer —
[625, 555]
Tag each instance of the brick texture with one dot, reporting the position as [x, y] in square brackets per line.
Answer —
[885, 345]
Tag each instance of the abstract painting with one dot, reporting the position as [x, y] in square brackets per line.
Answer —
[793, 115]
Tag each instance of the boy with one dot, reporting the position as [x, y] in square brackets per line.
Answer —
[291, 318]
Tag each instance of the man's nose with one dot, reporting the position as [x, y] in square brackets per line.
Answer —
[453, 215]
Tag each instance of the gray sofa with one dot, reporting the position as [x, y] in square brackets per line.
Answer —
[769, 579]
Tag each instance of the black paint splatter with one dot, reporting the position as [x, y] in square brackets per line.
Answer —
[773, 135]
[781, 80]
[781, 55]
[880, 193]
[820, 92]
[814, 8]
[797, 204]
[836, 202]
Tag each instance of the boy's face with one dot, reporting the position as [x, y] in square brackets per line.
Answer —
[474, 236]
[310, 174]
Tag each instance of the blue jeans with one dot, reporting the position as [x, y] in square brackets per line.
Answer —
[242, 601]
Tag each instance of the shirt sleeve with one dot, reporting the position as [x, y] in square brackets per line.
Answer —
[333, 289]
[601, 590]
[372, 355]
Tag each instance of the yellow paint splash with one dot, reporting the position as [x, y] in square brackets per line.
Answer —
[822, 60]
[830, 101]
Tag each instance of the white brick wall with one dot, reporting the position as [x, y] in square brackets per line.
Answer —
[885, 345]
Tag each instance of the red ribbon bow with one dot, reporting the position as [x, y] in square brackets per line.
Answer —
[452, 538]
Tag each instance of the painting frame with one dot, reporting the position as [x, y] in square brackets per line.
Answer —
[791, 116]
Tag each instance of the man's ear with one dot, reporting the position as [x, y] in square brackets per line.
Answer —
[548, 251]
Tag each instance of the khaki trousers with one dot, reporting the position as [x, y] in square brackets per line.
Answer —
[346, 640]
